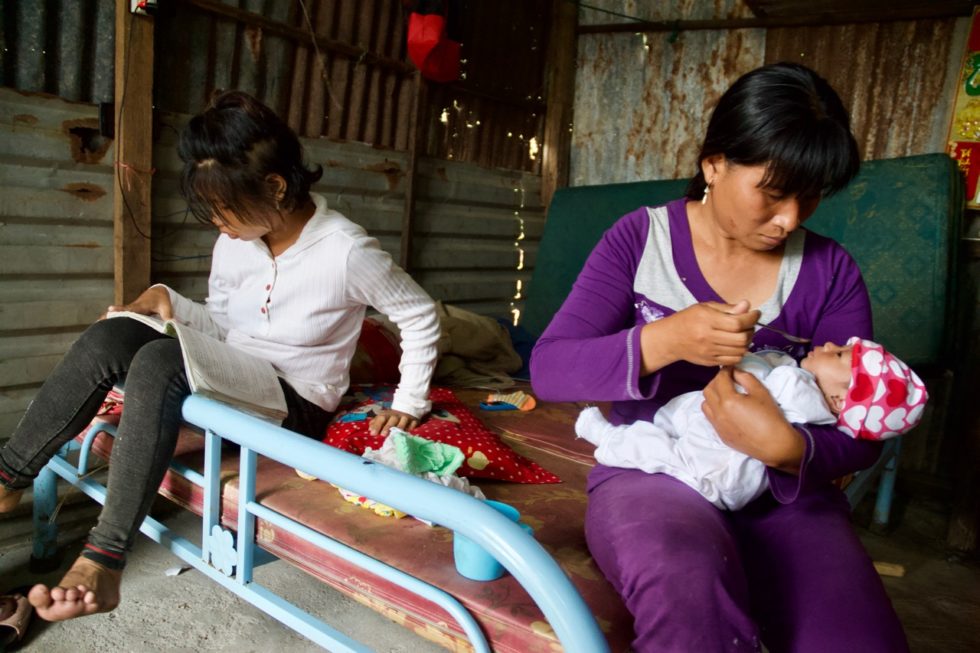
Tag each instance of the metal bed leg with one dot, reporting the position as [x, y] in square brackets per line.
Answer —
[44, 554]
[886, 491]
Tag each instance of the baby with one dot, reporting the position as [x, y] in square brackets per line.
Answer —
[866, 391]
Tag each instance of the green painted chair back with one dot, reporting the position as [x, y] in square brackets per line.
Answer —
[899, 218]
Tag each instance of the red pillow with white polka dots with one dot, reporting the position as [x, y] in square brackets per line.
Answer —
[451, 422]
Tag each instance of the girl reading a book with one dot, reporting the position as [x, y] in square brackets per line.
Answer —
[290, 283]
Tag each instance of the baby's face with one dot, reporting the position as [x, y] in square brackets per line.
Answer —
[831, 365]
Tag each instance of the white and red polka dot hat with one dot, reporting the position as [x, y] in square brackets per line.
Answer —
[885, 398]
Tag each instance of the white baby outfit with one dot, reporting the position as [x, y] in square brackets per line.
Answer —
[682, 442]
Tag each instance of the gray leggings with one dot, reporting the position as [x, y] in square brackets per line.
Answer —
[156, 386]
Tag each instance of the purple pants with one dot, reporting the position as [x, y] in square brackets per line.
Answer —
[696, 578]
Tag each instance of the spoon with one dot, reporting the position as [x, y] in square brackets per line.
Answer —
[788, 336]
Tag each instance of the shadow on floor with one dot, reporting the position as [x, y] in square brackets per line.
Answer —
[937, 598]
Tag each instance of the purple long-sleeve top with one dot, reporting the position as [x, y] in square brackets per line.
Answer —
[644, 269]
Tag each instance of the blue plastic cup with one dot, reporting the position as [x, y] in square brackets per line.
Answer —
[507, 510]
[472, 560]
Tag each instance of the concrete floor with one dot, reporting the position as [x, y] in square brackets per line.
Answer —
[938, 599]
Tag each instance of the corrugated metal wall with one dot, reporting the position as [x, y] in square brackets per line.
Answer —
[474, 246]
[362, 90]
[357, 84]
[60, 47]
[55, 238]
[642, 100]
[897, 79]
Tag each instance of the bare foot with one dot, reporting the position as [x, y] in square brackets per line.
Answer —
[87, 588]
[9, 499]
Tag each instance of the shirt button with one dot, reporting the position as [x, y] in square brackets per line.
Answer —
[268, 286]
[262, 309]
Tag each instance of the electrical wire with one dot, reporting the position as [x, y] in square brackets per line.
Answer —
[606, 11]
[119, 122]
[122, 192]
[320, 58]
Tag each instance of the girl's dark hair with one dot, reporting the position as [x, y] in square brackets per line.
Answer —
[230, 149]
[788, 118]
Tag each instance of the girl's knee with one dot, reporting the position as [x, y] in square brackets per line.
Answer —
[103, 335]
[114, 338]
[160, 359]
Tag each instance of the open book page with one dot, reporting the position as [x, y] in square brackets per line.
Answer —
[219, 371]
[154, 321]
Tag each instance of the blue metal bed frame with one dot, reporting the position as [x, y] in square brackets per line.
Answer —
[230, 560]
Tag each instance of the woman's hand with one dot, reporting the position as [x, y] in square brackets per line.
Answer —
[709, 334]
[153, 301]
[383, 421]
[752, 423]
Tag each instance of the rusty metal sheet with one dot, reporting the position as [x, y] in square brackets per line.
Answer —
[599, 12]
[643, 101]
[897, 78]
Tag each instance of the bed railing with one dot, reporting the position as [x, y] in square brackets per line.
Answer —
[229, 558]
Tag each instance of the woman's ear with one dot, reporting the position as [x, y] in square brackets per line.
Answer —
[711, 166]
[277, 185]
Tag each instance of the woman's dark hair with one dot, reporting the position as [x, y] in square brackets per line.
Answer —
[788, 118]
[230, 149]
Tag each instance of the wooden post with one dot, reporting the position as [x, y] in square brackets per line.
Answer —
[560, 93]
[416, 141]
[133, 152]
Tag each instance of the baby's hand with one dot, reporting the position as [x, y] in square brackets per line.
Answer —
[383, 421]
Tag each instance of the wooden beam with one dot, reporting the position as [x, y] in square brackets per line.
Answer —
[771, 22]
[559, 73]
[416, 141]
[133, 172]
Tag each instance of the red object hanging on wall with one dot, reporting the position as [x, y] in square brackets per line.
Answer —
[430, 45]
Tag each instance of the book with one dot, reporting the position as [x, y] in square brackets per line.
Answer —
[218, 371]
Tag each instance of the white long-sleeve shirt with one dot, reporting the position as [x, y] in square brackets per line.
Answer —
[302, 310]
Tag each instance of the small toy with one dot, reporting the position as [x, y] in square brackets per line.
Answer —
[517, 400]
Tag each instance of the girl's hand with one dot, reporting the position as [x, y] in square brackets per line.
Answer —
[708, 333]
[383, 421]
[752, 423]
[153, 301]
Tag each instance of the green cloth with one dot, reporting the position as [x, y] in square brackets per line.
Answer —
[417, 455]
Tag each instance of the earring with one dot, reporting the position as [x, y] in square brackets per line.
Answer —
[707, 189]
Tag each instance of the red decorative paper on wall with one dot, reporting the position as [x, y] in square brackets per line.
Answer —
[963, 143]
